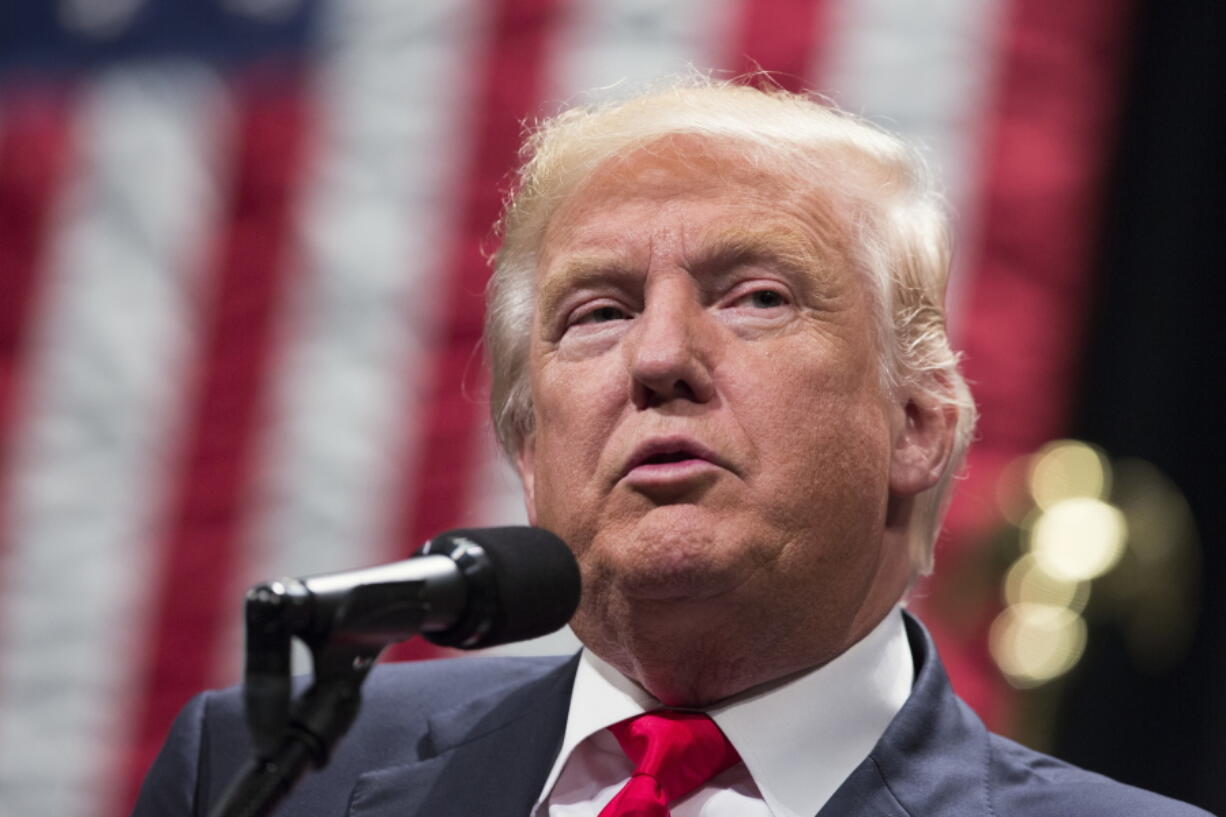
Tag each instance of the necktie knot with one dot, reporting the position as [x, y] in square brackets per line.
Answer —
[673, 753]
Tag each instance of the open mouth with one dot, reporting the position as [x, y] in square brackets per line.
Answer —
[656, 455]
[670, 456]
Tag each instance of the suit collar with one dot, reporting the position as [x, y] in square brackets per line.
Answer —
[488, 756]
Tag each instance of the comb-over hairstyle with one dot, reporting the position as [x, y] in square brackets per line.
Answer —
[891, 218]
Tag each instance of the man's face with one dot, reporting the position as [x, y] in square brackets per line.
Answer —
[712, 438]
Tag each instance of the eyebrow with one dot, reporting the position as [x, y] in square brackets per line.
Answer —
[583, 270]
[777, 247]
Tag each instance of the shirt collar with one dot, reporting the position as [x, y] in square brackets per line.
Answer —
[799, 739]
[601, 697]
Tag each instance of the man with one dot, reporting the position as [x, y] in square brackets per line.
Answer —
[720, 365]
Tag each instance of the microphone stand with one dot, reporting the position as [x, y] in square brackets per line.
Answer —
[324, 713]
[286, 741]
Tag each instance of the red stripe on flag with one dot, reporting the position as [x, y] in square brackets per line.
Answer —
[34, 136]
[1050, 137]
[244, 290]
[780, 36]
[440, 473]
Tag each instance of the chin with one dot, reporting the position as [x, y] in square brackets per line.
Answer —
[662, 574]
[673, 554]
[685, 585]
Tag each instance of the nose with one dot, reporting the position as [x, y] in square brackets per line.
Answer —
[668, 352]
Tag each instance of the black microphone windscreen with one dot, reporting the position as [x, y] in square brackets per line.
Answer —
[536, 583]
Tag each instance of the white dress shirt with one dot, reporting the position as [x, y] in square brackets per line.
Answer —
[799, 740]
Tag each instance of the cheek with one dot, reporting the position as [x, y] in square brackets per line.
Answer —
[820, 431]
[572, 408]
[575, 409]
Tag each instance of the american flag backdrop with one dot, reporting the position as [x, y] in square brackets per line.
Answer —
[241, 270]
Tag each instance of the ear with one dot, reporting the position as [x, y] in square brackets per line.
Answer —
[923, 440]
[525, 461]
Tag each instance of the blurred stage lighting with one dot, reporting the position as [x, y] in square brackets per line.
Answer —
[1028, 583]
[1077, 523]
[1034, 643]
[1068, 468]
[1078, 539]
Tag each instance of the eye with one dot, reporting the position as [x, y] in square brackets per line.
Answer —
[762, 299]
[600, 314]
[766, 298]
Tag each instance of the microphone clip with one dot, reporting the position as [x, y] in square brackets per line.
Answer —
[277, 611]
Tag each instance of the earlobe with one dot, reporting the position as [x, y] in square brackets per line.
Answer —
[524, 463]
[922, 445]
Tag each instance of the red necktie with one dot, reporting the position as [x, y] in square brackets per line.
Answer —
[673, 754]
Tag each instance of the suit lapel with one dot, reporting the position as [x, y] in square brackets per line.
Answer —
[488, 757]
[932, 758]
[864, 794]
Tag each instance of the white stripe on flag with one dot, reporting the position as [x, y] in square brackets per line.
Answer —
[605, 43]
[109, 344]
[924, 70]
[380, 190]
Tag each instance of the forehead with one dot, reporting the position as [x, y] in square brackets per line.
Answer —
[691, 192]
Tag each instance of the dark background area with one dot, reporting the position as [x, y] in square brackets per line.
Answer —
[1152, 377]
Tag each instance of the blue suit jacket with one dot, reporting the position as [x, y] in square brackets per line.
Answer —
[476, 737]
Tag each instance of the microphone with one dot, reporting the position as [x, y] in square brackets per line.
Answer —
[467, 588]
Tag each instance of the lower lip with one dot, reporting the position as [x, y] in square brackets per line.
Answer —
[668, 473]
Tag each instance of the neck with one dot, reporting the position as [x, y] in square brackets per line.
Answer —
[686, 657]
